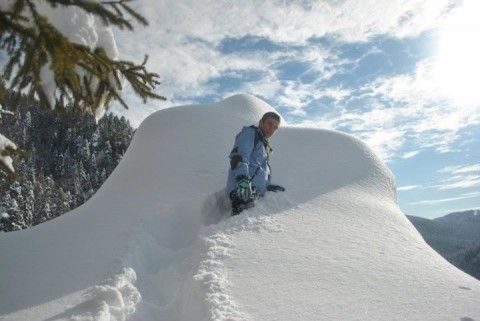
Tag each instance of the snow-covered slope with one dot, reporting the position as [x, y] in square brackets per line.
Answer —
[156, 241]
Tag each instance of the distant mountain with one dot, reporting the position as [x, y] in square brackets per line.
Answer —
[455, 236]
[463, 218]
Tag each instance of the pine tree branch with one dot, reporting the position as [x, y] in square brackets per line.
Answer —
[85, 78]
[65, 57]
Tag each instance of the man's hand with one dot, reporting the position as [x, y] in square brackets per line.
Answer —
[275, 188]
[244, 189]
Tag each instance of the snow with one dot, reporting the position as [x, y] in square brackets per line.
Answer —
[5, 159]
[156, 242]
[4, 112]
[5, 143]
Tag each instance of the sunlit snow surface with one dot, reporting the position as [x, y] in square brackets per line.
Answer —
[156, 241]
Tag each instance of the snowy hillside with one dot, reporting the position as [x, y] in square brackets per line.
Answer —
[156, 241]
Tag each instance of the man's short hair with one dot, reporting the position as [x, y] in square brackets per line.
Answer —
[270, 114]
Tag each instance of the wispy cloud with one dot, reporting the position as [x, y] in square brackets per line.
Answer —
[294, 21]
[460, 169]
[459, 177]
[459, 181]
[184, 41]
[411, 154]
[421, 107]
[296, 96]
[444, 200]
[408, 187]
[404, 108]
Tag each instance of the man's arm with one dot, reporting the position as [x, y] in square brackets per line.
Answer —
[240, 155]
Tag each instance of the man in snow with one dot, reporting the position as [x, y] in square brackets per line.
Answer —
[249, 174]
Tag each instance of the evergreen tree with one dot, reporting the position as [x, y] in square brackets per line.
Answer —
[86, 79]
[12, 218]
[27, 200]
[67, 165]
[468, 260]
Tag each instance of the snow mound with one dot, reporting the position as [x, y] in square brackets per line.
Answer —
[114, 300]
[156, 242]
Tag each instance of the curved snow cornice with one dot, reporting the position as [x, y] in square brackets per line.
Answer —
[156, 242]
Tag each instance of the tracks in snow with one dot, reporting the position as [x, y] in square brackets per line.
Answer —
[179, 257]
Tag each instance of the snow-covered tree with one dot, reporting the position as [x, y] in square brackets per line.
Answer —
[468, 260]
[50, 175]
[12, 218]
[49, 58]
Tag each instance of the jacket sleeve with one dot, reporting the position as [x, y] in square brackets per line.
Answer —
[240, 155]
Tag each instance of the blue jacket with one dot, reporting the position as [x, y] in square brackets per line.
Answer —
[249, 159]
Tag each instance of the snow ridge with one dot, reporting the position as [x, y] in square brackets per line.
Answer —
[114, 301]
[216, 246]
[212, 277]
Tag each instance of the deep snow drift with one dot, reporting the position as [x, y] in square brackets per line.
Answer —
[156, 241]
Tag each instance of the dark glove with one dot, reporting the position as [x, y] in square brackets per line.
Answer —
[275, 188]
[244, 189]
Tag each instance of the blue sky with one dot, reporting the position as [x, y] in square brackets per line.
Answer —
[400, 75]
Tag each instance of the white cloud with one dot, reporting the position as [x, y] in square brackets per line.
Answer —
[407, 187]
[460, 177]
[377, 127]
[268, 87]
[407, 107]
[460, 169]
[315, 123]
[183, 37]
[457, 64]
[410, 154]
[464, 182]
[294, 21]
[296, 96]
[444, 200]
[384, 143]
[420, 95]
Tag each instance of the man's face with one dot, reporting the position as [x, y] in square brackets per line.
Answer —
[269, 126]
